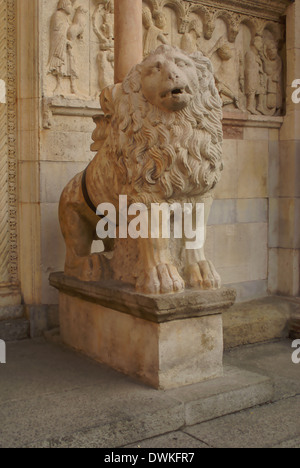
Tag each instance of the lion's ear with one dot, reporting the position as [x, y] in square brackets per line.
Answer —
[107, 101]
[132, 82]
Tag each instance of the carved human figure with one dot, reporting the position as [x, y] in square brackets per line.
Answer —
[255, 78]
[273, 70]
[190, 37]
[208, 28]
[63, 32]
[154, 32]
[227, 74]
[76, 29]
[105, 34]
[159, 142]
[160, 20]
[233, 30]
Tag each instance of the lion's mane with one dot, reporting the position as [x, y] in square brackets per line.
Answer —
[161, 155]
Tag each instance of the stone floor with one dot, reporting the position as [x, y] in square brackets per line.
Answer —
[51, 396]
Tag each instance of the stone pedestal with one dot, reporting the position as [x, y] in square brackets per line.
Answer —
[166, 341]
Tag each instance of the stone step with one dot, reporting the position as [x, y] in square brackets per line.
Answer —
[11, 312]
[294, 323]
[295, 327]
[236, 390]
[53, 397]
[169, 411]
[257, 321]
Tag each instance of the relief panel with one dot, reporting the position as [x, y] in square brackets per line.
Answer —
[245, 47]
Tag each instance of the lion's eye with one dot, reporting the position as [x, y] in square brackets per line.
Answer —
[182, 63]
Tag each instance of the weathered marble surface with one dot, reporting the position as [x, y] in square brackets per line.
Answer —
[144, 155]
[166, 341]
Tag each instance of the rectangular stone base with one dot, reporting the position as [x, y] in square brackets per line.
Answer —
[165, 350]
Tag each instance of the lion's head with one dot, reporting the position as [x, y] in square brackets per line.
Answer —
[164, 127]
[169, 79]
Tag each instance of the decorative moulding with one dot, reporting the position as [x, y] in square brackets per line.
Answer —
[71, 107]
[91, 109]
[158, 309]
[266, 9]
[243, 119]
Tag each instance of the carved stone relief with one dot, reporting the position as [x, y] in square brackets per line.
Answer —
[8, 163]
[244, 49]
[243, 40]
[227, 66]
[66, 27]
[272, 66]
[155, 30]
[103, 26]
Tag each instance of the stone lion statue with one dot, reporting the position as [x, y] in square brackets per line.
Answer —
[160, 141]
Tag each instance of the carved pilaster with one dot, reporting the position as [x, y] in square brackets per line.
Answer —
[9, 291]
[4, 275]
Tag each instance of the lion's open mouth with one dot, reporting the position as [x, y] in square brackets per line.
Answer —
[172, 93]
[176, 91]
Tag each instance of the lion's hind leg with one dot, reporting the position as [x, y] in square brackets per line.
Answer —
[79, 236]
[79, 231]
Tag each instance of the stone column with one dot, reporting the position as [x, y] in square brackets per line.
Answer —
[29, 138]
[128, 36]
[285, 207]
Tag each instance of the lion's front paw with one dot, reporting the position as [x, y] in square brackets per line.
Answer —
[162, 279]
[203, 275]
